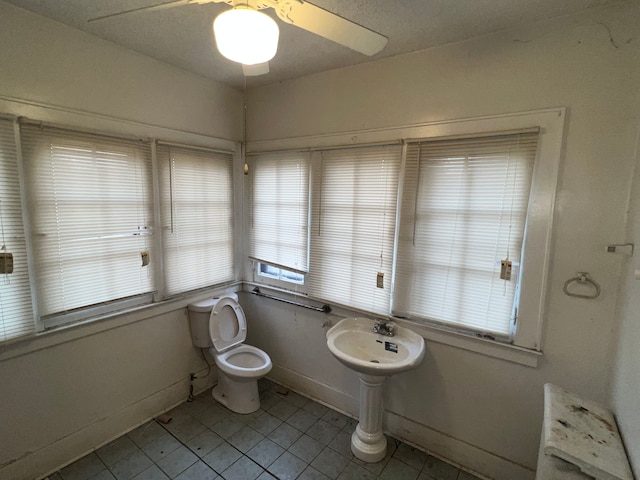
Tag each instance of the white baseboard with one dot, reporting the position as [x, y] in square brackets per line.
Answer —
[76, 445]
[457, 452]
[462, 454]
[311, 388]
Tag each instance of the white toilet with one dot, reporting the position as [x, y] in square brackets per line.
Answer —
[219, 324]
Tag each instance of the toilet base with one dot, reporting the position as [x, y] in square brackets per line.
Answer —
[239, 397]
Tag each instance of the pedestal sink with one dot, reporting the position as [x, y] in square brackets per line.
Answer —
[374, 356]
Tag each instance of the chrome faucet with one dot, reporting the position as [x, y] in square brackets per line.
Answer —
[385, 328]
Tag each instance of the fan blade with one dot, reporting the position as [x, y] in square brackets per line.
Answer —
[331, 26]
[151, 8]
[255, 70]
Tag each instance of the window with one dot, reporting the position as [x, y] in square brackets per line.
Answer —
[266, 270]
[279, 215]
[91, 218]
[84, 233]
[16, 315]
[473, 193]
[463, 212]
[353, 226]
[197, 218]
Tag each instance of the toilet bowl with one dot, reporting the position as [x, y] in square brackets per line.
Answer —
[220, 325]
[243, 363]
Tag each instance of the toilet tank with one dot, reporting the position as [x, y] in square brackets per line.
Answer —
[199, 313]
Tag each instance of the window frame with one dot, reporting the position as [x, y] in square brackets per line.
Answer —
[526, 342]
[254, 264]
[115, 129]
[526, 348]
[255, 164]
[19, 246]
[35, 163]
[169, 155]
[410, 222]
[362, 169]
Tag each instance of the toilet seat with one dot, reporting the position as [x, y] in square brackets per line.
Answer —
[228, 330]
[227, 324]
[243, 361]
[219, 324]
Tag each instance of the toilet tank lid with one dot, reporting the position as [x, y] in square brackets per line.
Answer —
[208, 304]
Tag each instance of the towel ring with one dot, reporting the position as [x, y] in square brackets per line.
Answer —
[582, 278]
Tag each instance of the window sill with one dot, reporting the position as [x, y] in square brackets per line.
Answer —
[102, 323]
[483, 346]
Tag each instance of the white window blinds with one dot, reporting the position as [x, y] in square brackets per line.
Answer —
[278, 233]
[91, 213]
[197, 218]
[353, 225]
[16, 314]
[464, 210]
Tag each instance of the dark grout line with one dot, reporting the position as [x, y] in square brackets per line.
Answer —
[270, 390]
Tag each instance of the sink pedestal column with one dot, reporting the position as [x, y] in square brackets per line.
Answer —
[368, 443]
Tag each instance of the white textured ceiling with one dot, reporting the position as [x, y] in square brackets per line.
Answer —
[182, 36]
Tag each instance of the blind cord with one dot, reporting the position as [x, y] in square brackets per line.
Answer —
[320, 193]
[384, 213]
[172, 167]
[515, 177]
[383, 179]
[415, 203]
[6, 279]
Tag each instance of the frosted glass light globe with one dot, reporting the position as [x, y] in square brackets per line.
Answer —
[246, 36]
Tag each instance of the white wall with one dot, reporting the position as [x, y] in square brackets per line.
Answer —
[46, 62]
[64, 398]
[64, 393]
[626, 385]
[61, 401]
[485, 412]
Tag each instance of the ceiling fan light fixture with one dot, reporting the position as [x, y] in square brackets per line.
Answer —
[246, 36]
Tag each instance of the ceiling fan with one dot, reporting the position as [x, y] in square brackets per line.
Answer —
[246, 35]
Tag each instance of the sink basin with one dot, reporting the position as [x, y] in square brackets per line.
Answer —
[353, 342]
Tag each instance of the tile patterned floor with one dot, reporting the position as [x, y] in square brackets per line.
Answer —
[290, 437]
